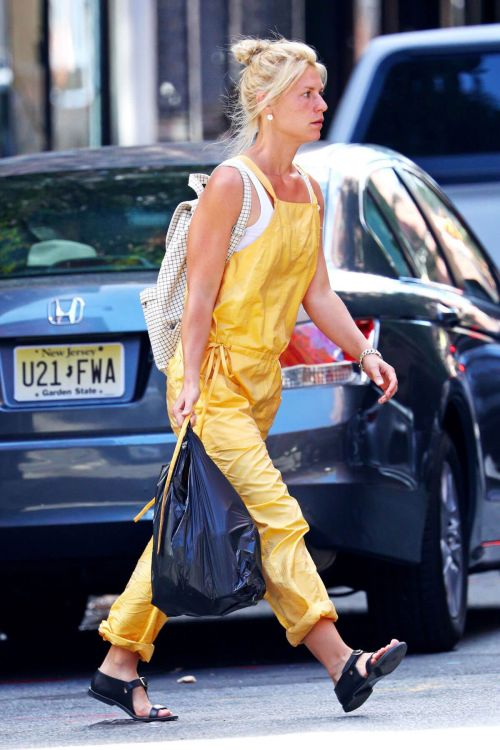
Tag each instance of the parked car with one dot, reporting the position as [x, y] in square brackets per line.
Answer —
[435, 97]
[403, 498]
[83, 426]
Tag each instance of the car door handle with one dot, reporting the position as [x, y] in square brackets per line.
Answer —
[448, 316]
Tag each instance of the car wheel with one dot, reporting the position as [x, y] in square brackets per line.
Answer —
[426, 604]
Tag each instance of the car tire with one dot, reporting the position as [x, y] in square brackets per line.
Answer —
[426, 604]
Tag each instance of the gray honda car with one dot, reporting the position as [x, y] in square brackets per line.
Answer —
[403, 499]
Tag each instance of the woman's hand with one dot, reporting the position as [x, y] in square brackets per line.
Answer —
[382, 374]
[185, 403]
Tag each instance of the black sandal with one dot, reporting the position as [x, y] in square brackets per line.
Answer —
[116, 692]
[352, 689]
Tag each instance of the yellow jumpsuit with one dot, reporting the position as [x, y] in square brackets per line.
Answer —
[253, 319]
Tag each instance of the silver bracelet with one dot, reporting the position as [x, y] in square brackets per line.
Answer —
[364, 353]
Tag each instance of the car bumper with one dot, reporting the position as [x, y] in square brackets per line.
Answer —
[349, 461]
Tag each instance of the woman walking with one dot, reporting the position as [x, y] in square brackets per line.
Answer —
[238, 319]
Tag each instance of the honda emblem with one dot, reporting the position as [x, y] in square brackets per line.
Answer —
[66, 311]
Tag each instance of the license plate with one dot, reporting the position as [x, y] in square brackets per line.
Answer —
[68, 372]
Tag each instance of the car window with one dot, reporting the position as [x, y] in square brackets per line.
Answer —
[451, 105]
[87, 221]
[342, 241]
[409, 224]
[477, 277]
[388, 245]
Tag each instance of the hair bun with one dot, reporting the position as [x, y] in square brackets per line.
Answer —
[246, 49]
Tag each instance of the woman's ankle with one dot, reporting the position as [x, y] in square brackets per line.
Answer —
[118, 661]
[325, 643]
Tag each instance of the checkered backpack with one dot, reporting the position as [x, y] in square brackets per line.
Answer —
[163, 303]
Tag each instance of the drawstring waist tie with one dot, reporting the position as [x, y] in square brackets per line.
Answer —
[216, 355]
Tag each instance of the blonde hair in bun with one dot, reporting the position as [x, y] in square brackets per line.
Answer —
[244, 50]
[271, 66]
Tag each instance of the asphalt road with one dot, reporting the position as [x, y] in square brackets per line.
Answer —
[253, 690]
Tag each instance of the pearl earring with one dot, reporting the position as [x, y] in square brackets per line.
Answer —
[270, 116]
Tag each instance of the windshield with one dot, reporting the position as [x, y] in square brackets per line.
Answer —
[103, 220]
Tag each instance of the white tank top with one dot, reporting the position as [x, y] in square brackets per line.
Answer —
[253, 231]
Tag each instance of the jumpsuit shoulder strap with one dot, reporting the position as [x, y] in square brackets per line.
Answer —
[259, 174]
[305, 177]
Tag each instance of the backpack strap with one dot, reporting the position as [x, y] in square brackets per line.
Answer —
[239, 228]
[198, 182]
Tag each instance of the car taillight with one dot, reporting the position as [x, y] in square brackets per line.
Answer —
[312, 359]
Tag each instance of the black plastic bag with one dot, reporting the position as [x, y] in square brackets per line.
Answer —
[206, 555]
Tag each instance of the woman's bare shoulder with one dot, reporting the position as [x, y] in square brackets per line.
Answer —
[225, 178]
[224, 189]
[220, 203]
[318, 192]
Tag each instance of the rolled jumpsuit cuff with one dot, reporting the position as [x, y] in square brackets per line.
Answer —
[296, 634]
[144, 650]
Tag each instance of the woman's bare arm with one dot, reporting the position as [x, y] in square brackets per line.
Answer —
[208, 241]
[329, 313]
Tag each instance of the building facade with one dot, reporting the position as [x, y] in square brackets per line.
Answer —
[77, 73]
